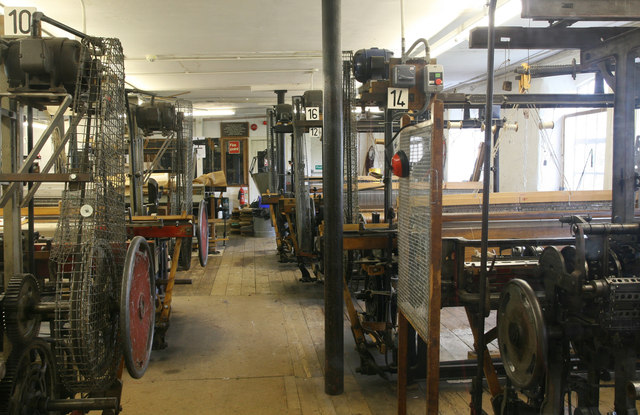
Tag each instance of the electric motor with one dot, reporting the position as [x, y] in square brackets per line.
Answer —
[284, 113]
[34, 64]
[371, 64]
[157, 116]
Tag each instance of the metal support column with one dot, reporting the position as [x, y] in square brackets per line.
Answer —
[388, 190]
[136, 164]
[332, 160]
[10, 134]
[31, 261]
[623, 190]
[476, 394]
[281, 151]
[496, 160]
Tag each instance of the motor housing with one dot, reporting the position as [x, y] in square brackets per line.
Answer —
[156, 116]
[371, 64]
[37, 64]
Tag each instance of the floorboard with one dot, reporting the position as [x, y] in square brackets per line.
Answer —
[247, 337]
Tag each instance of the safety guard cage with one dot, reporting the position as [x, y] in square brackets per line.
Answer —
[419, 222]
[90, 241]
[350, 140]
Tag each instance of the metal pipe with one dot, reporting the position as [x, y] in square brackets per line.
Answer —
[135, 185]
[31, 261]
[33, 154]
[333, 181]
[39, 16]
[281, 152]
[86, 404]
[388, 135]
[402, 39]
[609, 228]
[633, 390]
[476, 394]
[622, 189]
[496, 161]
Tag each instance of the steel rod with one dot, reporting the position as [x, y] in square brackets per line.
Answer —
[81, 404]
[476, 397]
[75, 120]
[333, 181]
[35, 151]
[281, 152]
[31, 261]
[388, 135]
[496, 159]
[39, 16]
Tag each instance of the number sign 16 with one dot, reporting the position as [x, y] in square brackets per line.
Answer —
[313, 113]
[17, 20]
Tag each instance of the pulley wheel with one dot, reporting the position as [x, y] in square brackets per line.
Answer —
[137, 307]
[30, 379]
[522, 335]
[202, 233]
[21, 323]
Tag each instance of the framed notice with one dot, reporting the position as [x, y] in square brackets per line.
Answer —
[234, 129]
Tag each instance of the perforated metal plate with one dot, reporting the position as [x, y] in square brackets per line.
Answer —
[414, 228]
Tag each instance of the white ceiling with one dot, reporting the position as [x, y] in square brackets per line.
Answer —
[235, 53]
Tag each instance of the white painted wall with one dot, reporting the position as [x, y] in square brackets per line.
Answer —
[210, 128]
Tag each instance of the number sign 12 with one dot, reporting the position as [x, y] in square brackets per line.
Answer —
[315, 132]
[313, 113]
[398, 98]
[17, 20]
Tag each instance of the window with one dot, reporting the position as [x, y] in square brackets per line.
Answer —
[585, 149]
[234, 160]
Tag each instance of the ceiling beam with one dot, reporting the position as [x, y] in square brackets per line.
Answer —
[510, 37]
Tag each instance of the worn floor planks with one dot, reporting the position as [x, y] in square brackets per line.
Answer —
[247, 337]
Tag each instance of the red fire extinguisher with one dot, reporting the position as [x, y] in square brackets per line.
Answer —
[242, 197]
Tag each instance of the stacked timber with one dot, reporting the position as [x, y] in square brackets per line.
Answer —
[246, 221]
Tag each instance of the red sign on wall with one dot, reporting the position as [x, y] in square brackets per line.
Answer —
[234, 147]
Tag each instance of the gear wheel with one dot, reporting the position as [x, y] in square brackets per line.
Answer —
[20, 322]
[30, 379]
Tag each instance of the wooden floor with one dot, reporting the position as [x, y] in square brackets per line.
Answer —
[247, 338]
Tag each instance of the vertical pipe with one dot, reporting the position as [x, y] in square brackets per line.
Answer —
[623, 140]
[496, 160]
[476, 398]
[332, 160]
[388, 135]
[135, 164]
[402, 40]
[11, 155]
[281, 151]
[31, 262]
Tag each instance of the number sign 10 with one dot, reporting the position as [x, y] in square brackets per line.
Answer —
[17, 21]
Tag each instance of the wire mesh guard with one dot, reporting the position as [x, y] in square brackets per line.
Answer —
[182, 161]
[350, 139]
[90, 240]
[301, 185]
[414, 229]
[272, 152]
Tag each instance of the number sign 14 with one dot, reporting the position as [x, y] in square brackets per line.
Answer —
[398, 98]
